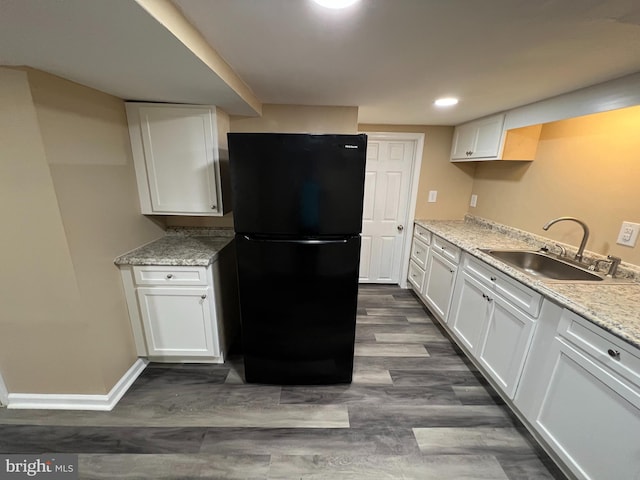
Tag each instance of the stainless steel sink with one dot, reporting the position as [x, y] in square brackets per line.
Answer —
[539, 264]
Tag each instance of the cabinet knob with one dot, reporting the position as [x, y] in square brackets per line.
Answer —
[400, 228]
[613, 353]
[169, 275]
[484, 296]
[214, 207]
[493, 279]
[203, 296]
[418, 252]
[451, 271]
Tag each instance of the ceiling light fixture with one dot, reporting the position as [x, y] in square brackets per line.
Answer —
[446, 102]
[336, 3]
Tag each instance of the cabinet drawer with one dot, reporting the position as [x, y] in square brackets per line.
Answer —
[516, 293]
[155, 275]
[423, 234]
[416, 276]
[446, 249]
[611, 352]
[419, 252]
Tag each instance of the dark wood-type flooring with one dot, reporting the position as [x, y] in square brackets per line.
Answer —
[417, 409]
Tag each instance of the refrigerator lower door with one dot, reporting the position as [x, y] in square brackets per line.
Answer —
[298, 303]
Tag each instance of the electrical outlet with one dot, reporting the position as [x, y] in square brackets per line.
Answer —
[474, 200]
[433, 195]
[628, 234]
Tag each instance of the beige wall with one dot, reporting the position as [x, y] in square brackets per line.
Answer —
[452, 180]
[69, 199]
[586, 167]
[299, 119]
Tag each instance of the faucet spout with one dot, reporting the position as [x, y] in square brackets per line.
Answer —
[585, 234]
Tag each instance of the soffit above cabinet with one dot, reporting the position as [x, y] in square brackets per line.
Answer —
[115, 47]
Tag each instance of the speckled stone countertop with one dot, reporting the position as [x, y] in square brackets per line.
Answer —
[180, 247]
[612, 306]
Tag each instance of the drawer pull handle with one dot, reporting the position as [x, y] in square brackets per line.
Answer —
[169, 275]
[493, 279]
[203, 296]
[613, 353]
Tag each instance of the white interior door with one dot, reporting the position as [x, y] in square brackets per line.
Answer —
[385, 224]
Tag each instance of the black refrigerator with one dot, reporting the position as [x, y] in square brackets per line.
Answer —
[297, 210]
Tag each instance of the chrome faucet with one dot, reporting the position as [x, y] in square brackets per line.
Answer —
[585, 236]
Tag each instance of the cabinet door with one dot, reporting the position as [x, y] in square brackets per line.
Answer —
[488, 137]
[464, 140]
[590, 418]
[180, 157]
[469, 311]
[439, 278]
[416, 276]
[505, 342]
[478, 140]
[178, 321]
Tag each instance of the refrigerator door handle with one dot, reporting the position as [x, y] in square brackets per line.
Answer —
[300, 241]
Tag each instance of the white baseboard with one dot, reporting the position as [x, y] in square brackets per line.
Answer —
[4, 393]
[56, 401]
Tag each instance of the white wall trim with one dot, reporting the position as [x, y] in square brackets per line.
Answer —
[4, 393]
[56, 401]
[418, 139]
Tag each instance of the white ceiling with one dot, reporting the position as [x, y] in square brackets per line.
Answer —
[391, 58]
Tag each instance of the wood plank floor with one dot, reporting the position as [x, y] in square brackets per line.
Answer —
[417, 409]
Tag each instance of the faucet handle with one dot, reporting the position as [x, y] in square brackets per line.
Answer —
[613, 268]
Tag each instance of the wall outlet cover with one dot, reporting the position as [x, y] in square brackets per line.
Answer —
[433, 195]
[474, 200]
[628, 234]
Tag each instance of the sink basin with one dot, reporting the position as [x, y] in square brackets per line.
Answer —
[541, 265]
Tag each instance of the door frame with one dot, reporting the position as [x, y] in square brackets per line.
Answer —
[418, 141]
[4, 393]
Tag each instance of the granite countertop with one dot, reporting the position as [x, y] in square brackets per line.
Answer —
[180, 247]
[612, 306]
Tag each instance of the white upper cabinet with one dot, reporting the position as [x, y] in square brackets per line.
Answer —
[487, 139]
[177, 158]
[479, 139]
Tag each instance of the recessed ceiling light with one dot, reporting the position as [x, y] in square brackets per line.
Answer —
[336, 3]
[446, 102]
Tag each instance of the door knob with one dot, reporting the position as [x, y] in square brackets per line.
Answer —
[400, 228]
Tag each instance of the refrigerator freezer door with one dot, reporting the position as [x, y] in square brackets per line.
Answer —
[298, 309]
[297, 184]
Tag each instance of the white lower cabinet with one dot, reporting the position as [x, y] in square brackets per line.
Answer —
[496, 333]
[416, 276]
[177, 321]
[469, 311]
[504, 344]
[183, 313]
[419, 256]
[589, 412]
[576, 386]
[440, 276]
